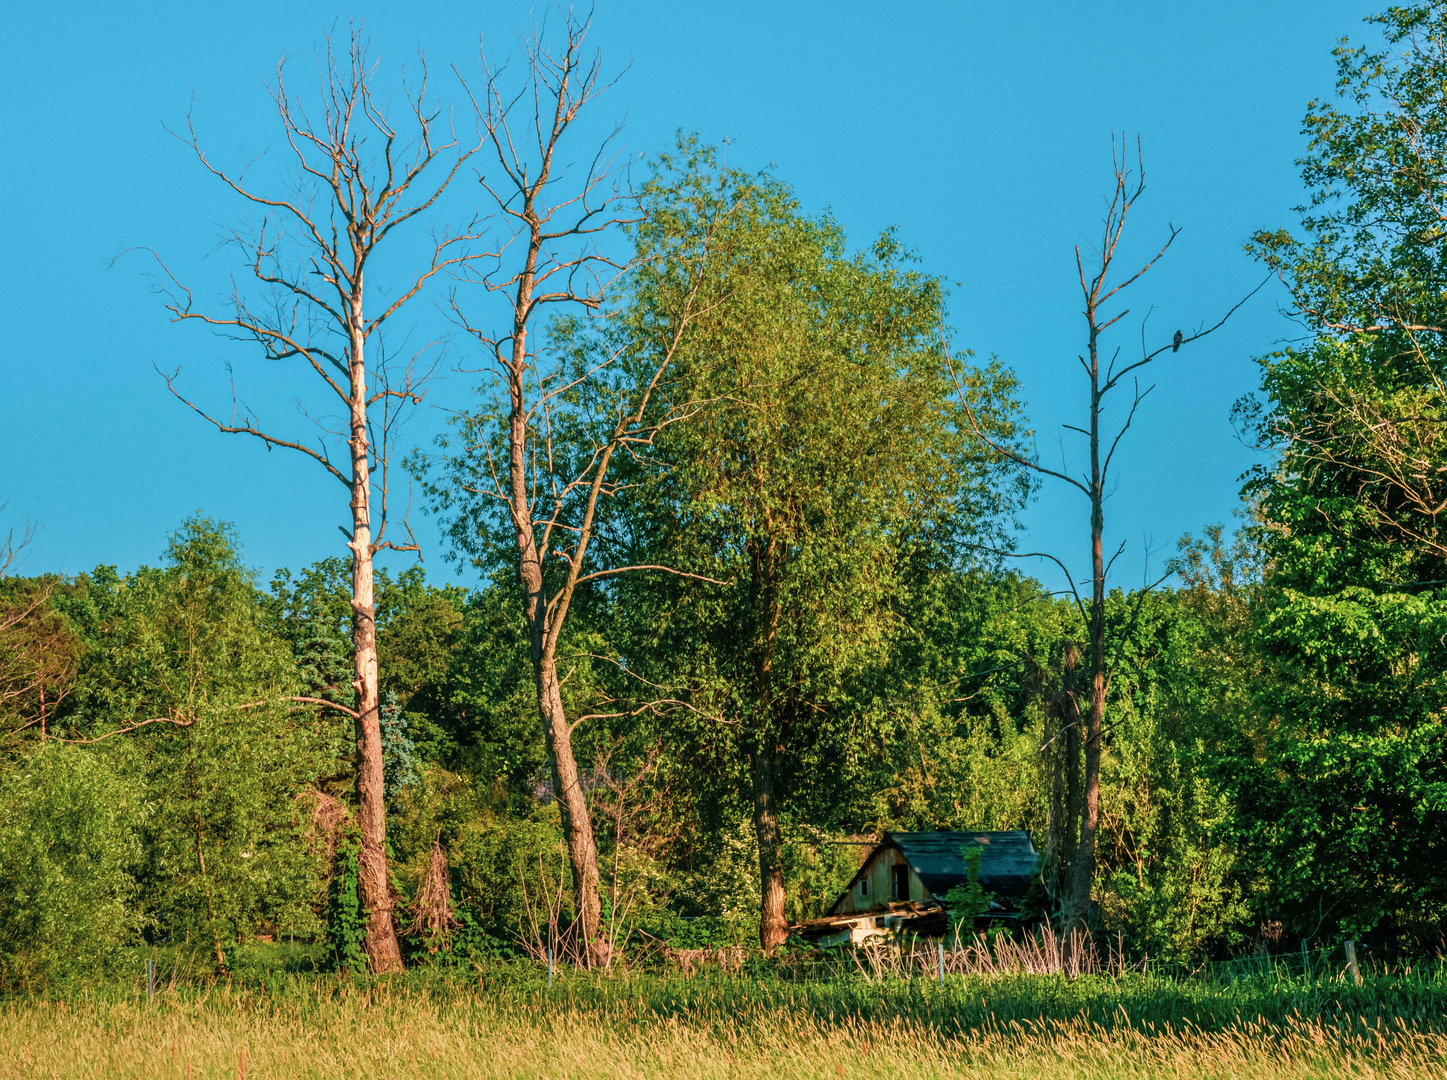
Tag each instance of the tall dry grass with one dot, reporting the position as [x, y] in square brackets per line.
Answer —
[1045, 952]
[383, 1032]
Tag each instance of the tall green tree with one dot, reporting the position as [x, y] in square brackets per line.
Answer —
[826, 454]
[1342, 790]
[183, 687]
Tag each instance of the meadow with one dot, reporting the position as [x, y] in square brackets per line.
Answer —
[507, 1021]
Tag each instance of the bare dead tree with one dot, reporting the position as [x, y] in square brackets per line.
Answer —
[1100, 289]
[359, 178]
[546, 486]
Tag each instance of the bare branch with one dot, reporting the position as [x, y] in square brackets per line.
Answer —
[179, 722]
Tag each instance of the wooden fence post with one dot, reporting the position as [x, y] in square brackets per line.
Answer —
[1351, 948]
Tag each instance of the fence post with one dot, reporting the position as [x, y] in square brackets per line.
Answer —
[1305, 960]
[942, 961]
[1351, 947]
[150, 979]
[550, 966]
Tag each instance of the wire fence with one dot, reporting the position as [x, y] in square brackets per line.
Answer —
[1050, 952]
[1345, 960]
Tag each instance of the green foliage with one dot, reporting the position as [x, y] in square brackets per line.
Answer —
[503, 862]
[399, 756]
[1337, 775]
[493, 719]
[419, 630]
[69, 849]
[968, 900]
[185, 688]
[346, 918]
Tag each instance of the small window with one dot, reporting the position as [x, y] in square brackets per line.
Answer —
[863, 886]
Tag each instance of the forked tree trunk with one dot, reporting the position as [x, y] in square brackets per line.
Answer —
[773, 926]
[383, 953]
[577, 820]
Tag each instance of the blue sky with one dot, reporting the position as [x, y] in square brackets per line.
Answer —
[982, 130]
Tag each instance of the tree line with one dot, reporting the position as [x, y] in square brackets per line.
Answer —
[742, 517]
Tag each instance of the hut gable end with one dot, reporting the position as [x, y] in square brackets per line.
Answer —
[885, 875]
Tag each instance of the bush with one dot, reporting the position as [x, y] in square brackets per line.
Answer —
[68, 844]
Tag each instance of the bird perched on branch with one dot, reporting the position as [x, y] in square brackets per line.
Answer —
[1176, 342]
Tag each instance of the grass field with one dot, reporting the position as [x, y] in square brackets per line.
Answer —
[510, 1024]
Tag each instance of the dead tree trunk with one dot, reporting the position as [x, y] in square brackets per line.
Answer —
[1098, 291]
[517, 362]
[360, 180]
[551, 492]
[1078, 910]
[383, 952]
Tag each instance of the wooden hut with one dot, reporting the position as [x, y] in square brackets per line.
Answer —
[903, 883]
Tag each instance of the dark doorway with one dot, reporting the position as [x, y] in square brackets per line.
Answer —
[900, 882]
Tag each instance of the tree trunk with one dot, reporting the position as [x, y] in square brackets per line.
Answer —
[383, 953]
[216, 947]
[773, 927]
[577, 819]
[1090, 811]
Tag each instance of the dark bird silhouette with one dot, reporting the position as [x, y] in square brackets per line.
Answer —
[1176, 342]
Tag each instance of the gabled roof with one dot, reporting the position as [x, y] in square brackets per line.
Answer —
[1007, 861]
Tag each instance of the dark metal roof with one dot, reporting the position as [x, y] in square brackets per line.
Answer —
[1007, 859]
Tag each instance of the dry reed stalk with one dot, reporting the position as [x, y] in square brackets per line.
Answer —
[433, 917]
[1045, 952]
[729, 959]
[543, 937]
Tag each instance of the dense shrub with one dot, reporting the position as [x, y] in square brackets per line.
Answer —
[68, 845]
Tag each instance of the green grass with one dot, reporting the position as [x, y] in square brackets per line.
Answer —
[507, 1021]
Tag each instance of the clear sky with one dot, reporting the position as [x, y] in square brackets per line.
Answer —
[982, 129]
